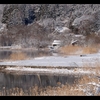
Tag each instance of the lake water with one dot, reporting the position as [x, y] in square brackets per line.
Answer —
[5, 54]
[9, 80]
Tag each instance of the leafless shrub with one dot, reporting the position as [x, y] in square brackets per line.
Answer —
[92, 39]
[5, 40]
[85, 27]
[27, 36]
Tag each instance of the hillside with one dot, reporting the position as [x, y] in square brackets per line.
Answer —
[23, 19]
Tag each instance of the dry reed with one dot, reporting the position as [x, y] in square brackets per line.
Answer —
[18, 56]
[78, 50]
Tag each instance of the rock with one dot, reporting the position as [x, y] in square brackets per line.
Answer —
[3, 28]
[82, 55]
[74, 42]
[62, 29]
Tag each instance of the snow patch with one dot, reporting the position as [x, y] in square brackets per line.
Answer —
[62, 29]
[47, 70]
[40, 58]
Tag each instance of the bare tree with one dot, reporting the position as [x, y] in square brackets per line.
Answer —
[85, 27]
[29, 36]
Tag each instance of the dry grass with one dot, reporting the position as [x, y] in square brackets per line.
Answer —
[78, 49]
[69, 49]
[63, 90]
[41, 54]
[87, 79]
[95, 68]
[60, 90]
[18, 56]
[89, 50]
[89, 84]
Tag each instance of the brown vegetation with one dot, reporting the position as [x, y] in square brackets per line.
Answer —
[60, 90]
[17, 56]
[79, 50]
[89, 50]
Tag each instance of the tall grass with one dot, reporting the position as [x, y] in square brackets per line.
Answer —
[18, 56]
[40, 91]
[78, 49]
[69, 49]
[60, 90]
[89, 50]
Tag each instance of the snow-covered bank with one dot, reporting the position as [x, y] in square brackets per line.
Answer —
[21, 70]
[58, 61]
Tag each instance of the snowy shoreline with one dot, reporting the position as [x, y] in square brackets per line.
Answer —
[57, 61]
[52, 71]
[53, 64]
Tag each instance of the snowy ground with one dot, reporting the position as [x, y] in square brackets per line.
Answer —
[58, 61]
[52, 71]
[55, 64]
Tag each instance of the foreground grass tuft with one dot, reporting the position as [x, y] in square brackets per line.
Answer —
[60, 90]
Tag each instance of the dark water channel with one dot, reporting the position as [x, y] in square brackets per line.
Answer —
[5, 54]
[25, 81]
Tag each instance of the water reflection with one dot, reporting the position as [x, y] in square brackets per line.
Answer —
[25, 81]
[5, 54]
